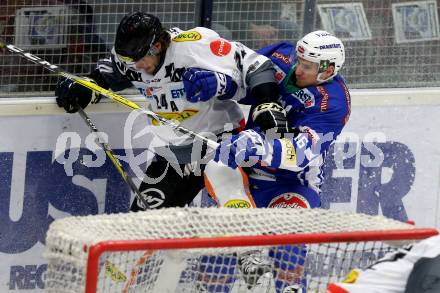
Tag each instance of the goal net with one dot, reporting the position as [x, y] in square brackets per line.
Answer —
[217, 249]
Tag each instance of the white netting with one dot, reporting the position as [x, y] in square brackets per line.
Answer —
[214, 270]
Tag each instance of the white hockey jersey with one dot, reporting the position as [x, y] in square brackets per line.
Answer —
[203, 48]
[389, 274]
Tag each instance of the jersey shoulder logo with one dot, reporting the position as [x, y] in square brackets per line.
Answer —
[279, 74]
[285, 59]
[188, 36]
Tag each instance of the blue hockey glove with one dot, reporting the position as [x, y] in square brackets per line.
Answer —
[244, 149]
[70, 94]
[202, 85]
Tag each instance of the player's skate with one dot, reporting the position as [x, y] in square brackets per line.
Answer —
[253, 264]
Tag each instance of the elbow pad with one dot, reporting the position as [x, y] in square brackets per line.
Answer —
[266, 92]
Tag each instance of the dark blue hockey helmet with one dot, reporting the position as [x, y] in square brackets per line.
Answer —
[136, 34]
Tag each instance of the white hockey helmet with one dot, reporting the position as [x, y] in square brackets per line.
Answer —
[322, 48]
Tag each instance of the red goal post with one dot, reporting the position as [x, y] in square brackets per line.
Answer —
[196, 250]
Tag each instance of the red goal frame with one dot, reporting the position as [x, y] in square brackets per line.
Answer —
[96, 250]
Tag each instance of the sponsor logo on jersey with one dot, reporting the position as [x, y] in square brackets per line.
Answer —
[177, 93]
[289, 200]
[305, 97]
[179, 116]
[220, 47]
[189, 36]
[114, 273]
[324, 101]
[238, 204]
[147, 92]
[282, 57]
[289, 154]
[351, 277]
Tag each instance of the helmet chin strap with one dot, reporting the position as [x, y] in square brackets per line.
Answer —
[320, 74]
[320, 80]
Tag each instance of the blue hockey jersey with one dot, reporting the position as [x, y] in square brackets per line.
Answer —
[318, 112]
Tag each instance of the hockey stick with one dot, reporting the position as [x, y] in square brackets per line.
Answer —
[113, 158]
[107, 93]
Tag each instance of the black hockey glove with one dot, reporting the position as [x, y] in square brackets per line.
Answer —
[270, 115]
[70, 94]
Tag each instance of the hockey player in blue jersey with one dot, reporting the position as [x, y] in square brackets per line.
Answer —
[286, 161]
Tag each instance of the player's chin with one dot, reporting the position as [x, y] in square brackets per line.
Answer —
[299, 83]
[149, 70]
[302, 83]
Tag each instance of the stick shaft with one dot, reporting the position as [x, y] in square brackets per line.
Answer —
[113, 158]
[107, 93]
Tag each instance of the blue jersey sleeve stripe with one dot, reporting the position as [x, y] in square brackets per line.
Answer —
[277, 152]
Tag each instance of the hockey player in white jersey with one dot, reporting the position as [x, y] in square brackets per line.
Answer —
[414, 269]
[193, 76]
